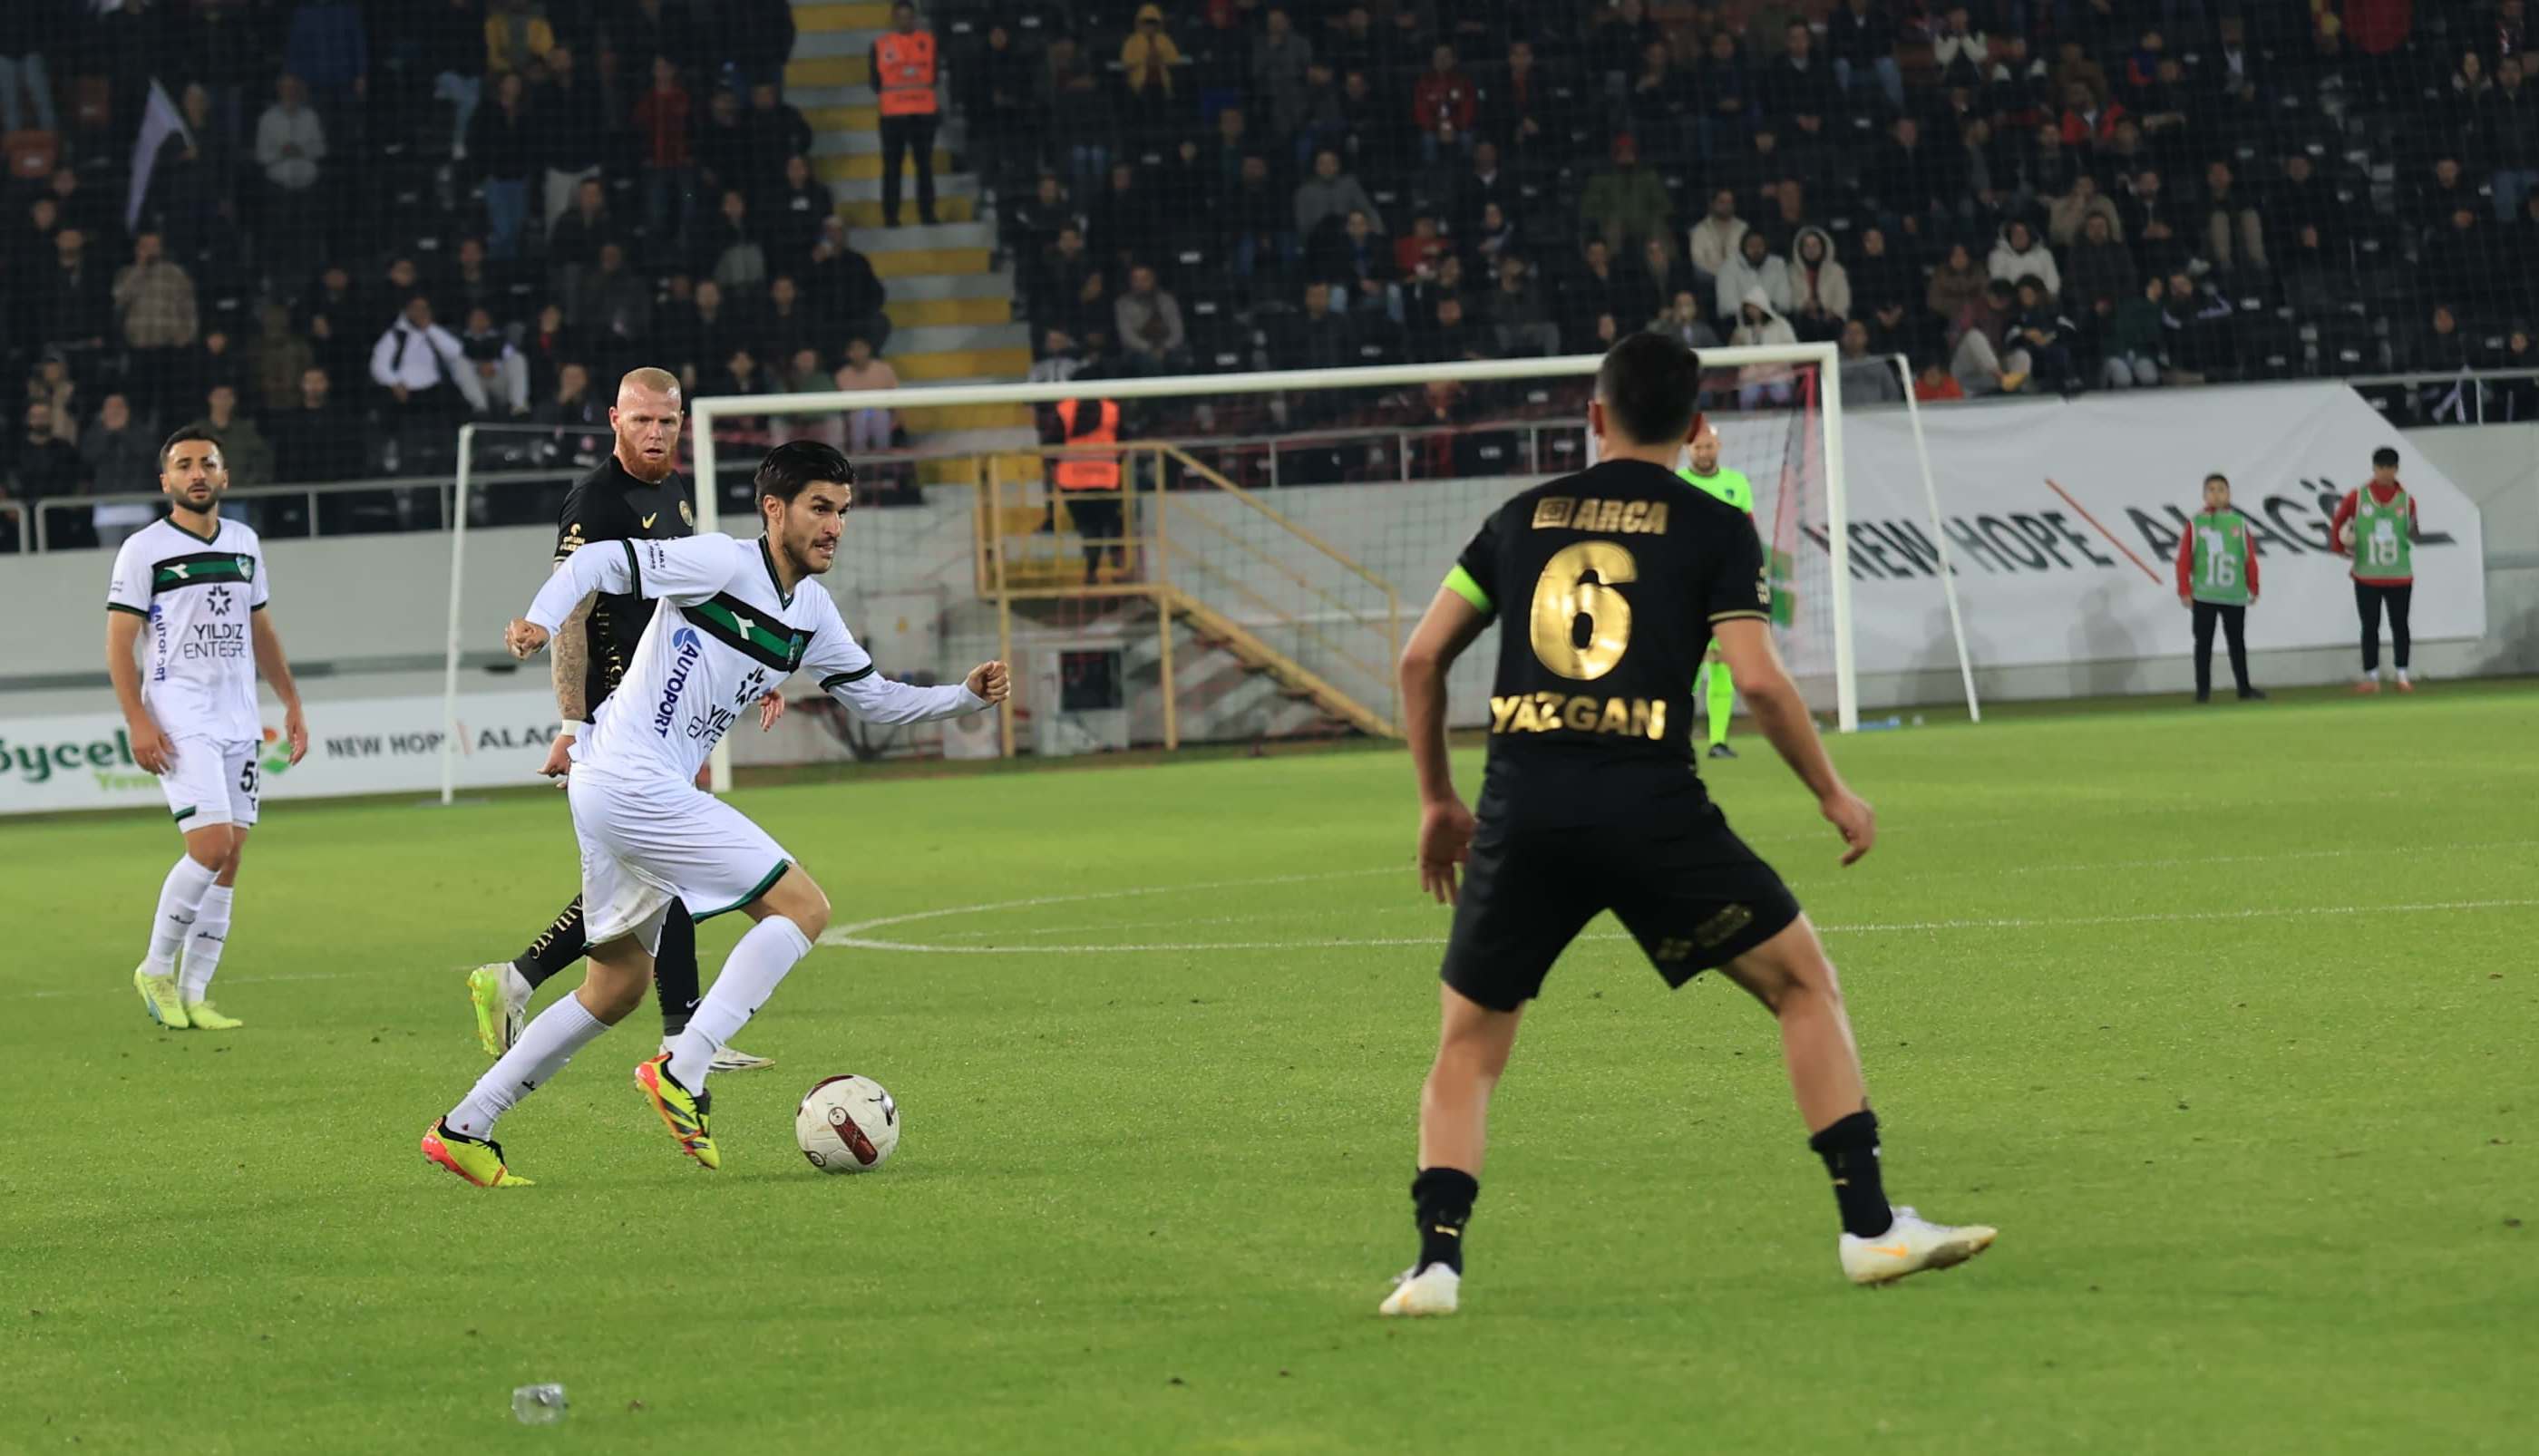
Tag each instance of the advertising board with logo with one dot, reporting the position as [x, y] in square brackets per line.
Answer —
[356, 746]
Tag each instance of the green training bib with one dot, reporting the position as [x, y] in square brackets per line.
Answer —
[2382, 549]
[2221, 559]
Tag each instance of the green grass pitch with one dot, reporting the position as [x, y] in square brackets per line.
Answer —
[2228, 1018]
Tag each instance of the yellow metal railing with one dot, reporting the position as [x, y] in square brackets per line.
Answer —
[1027, 549]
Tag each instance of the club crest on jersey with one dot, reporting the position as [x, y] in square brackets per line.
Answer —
[686, 514]
[689, 648]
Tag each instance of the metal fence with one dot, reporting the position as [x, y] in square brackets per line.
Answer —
[1360, 454]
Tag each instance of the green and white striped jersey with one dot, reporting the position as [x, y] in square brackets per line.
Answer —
[722, 635]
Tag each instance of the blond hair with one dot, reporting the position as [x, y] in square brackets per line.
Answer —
[650, 380]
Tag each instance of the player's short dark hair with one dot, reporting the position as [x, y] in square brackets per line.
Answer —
[2217, 476]
[168, 447]
[794, 465]
[1650, 387]
[2385, 455]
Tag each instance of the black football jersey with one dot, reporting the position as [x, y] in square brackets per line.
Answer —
[608, 505]
[1607, 583]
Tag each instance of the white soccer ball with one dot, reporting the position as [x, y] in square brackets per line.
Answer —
[846, 1125]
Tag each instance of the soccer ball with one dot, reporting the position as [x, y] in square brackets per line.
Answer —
[846, 1125]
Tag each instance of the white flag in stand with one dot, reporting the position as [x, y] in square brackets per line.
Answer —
[158, 122]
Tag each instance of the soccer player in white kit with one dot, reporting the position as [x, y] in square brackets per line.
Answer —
[732, 620]
[198, 583]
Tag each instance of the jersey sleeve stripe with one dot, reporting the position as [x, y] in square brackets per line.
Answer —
[119, 606]
[1736, 616]
[1461, 583]
[833, 680]
[634, 568]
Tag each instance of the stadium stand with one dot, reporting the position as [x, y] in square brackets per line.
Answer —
[338, 228]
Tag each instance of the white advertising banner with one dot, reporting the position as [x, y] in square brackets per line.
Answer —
[2063, 523]
[356, 746]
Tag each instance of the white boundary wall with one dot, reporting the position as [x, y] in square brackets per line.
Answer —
[387, 642]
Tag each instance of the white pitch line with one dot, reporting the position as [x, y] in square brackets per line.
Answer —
[1422, 904]
[1878, 928]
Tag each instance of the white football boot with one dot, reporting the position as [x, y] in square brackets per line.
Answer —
[728, 1058]
[1910, 1246]
[1418, 1291]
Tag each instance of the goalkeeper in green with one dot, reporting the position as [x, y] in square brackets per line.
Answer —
[1730, 486]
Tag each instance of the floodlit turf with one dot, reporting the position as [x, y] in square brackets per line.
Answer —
[2226, 1016]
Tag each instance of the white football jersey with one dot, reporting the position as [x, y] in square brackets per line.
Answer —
[198, 664]
[721, 637]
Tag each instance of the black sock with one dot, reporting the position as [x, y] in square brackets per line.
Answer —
[1849, 1148]
[1442, 1198]
[675, 970]
[560, 945]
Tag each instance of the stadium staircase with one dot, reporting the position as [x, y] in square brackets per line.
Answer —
[1275, 610]
[952, 309]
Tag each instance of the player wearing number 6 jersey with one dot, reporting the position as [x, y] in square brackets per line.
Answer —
[2217, 580]
[1609, 584]
[732, 620]
[2377, 526]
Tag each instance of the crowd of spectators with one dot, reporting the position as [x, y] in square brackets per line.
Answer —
[335, 227]
[2018, 195]
[344, 227]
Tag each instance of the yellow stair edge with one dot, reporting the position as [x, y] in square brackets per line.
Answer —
[842, 118]
[1260, 657]
[865, 211]
[865, 166]
[962, 364]
[916, 313]
[862, 17]
[922, 419]
[828, 70]
[923, 262]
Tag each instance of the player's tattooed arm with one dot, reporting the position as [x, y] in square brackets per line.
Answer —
[570, 663]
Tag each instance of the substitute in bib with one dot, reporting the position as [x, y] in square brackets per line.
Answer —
[2377, 528]
[2217, 580]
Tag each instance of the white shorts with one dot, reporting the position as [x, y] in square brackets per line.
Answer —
[212, 783]
[648, 842]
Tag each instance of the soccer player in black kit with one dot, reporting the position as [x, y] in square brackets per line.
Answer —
[637, 494]
[1615, 582]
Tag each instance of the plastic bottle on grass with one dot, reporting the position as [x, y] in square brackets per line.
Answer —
[538, 1405]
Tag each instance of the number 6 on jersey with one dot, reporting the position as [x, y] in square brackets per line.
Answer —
[1580, 625]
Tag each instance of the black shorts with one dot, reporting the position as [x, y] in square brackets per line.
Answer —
[1681, 880]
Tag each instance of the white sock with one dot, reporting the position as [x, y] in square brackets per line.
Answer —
[179, 899]
[545, 1045]
[203, 944]
[751, 975]
[2402, 675]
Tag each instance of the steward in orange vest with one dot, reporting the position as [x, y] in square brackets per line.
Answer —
[903, 72]
[1090, 479]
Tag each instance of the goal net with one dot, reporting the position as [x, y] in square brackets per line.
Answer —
[1237, 556]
